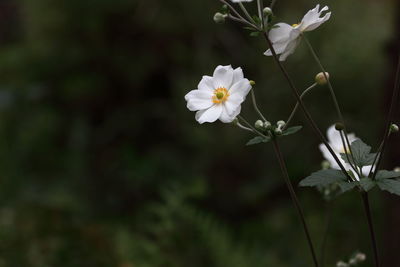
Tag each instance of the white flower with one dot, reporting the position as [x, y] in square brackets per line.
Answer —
[286, 38]
[335, 141]
[219, 96]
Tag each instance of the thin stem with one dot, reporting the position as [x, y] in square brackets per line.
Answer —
[304, 109]
[367, 209]
[260, 5]
[395, 97]
[294, 198]
[297, 104]
[253, 98]
[247, 13]
[375, 159]
[242, 21]
[327, 79]
[251, 127]
[328, 219]
[233, 9]
[347, 152]
[238, 124]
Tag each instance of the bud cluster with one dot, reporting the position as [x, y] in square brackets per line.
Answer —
[356, 259]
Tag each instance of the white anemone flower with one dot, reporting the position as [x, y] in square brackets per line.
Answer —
[286, 38]
[335, 141]
[220, 96]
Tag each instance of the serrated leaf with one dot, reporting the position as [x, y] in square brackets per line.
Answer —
[361, 153]
[390, 185]
[257, 140]
[347, 186]
[367, 184]
[292, 130]
[383, 174]
[323, 178]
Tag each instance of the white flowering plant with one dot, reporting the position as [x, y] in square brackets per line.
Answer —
[349, 163]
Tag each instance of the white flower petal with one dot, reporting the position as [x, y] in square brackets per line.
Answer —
[313, 20]
[206, 84]
[209, 115]
[328, 156]
[223, 76]
[242, 87]
[280, 32]
[237, 75]
[198, 100]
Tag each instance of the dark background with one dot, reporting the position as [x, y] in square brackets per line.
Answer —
[101, 164]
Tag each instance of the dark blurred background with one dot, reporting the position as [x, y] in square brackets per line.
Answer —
[101, 164]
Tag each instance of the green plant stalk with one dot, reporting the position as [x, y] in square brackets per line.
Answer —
[253, 98]
[304, 109]
[367, 209]
[294, 198]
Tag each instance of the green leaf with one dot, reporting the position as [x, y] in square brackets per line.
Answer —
[257, 140]
[390, 185]
[292, 130]
[367, 184]
[347, 186]
[361, 153]
[383, 174]
[323, 178]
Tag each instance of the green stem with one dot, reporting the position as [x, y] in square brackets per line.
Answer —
[351, 161]
[297, 104]
[247, 13]
[294, 198]
[367, 209]
[304, 109]
[253, 98]
[251, 127]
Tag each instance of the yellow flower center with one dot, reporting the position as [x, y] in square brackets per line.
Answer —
[295, 25]
[221, 94]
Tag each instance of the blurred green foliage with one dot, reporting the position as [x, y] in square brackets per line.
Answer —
[101, 164]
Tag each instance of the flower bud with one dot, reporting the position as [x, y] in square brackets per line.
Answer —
[341, 264]
[259, 125]
[394, 128]
[360, 257]
[325, 165]
[397, 169]
[267, 125]
[278, 131]
[339, 126]
[252, 83]
[320, 78]
[280, 123]
[219, 18]
[267, 11]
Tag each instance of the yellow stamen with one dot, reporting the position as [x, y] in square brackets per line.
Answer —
[295, 25]
[221, 94]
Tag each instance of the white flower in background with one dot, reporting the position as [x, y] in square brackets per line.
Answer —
[220, 96]
[286, 38]
[335, 141]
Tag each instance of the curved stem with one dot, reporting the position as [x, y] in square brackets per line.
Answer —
[242, 21]
[304, 109]
[395, 97]
[251, 127]
[247, 13]
[347, 151]
[233, 10]
[297, 104]
[294, 198]
[253, 98]
[367, 209]
[238, 124]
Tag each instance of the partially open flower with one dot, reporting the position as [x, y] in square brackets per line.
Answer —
[335, 141]
[220, 96]
[285, 38]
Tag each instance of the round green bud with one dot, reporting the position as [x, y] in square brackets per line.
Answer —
[267, 11]
[281, 123]
[278, 131]
[341, 264]
[394, 128]
[360, 257]
[219, 18]
[325, 165]
[252, 83]
[259, 125]
[339, 126]
[320, 78]
[267, 125]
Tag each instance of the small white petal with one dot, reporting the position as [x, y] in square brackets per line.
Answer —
[242, 87]
[198, 100]
[223, 76]
[313, 20]
[209, 115]
[206, 84]
[237, 75]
